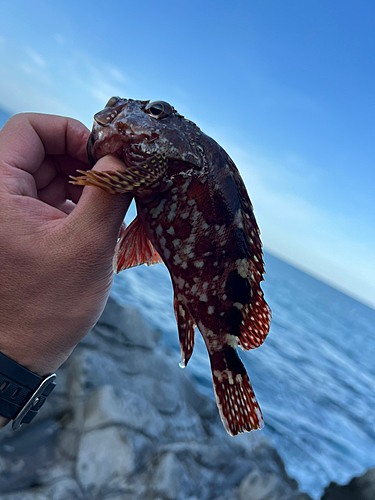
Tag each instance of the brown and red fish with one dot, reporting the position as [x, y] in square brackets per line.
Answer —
[195, 215]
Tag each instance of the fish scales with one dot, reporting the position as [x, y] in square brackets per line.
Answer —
[194, 214]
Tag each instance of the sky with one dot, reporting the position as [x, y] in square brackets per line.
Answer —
[287, 88]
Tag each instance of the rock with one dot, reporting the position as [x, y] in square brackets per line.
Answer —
[122, 408]
[125, 423]
[124, 325]
[359, 488]
[167, 477]
[104, 459]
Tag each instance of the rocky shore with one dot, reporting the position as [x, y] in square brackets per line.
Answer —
[126, 423]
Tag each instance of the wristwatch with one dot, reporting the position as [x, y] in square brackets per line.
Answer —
[22, 392]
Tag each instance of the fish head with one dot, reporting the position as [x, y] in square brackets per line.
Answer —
[137, 131]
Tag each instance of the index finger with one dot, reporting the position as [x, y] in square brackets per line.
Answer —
[27, 138]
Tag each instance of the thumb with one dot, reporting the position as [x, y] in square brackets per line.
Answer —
[100, 213]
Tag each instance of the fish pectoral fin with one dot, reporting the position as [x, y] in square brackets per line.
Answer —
[186, 330]
[143, 176]
[111, 182]
[255, 325]
[235, 398]
[134, 248]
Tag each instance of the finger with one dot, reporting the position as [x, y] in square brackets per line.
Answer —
[98, 212]
[27, 138]
[68, 207]
[54, 165]
[56, 192]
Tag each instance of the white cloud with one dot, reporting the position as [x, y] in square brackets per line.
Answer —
[117, 75]
[36, 58]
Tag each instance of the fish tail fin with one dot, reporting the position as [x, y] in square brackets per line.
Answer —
[134, 248]
[235, 398]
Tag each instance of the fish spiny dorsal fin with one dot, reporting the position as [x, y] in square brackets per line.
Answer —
[134, 248]
[246, 221]
[186, 329]
[235, 398]
[256, 315]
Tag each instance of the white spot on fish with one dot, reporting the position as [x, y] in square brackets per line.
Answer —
[159, 230]
[185, 215]
[182, 311]
[176, 243]
[199, 264]
[180, 282]
[203, 297]
[184, 265]
[191, 202]
[210, 310]
[185, 186]
[172, 213]
[155, 212]
[231, 340]
[177, 259]
[170, 231]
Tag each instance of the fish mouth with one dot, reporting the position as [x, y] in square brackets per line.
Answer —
[126, 148]
[130, 149]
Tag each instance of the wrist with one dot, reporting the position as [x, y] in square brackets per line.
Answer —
[3, 422]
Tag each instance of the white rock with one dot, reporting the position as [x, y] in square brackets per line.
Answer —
[103, 458]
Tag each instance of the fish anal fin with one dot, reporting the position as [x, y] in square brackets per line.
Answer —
[235, 398]
[134, 248]
[255, 325]
[186, 330]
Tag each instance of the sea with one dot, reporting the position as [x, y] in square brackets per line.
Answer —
[314, 376]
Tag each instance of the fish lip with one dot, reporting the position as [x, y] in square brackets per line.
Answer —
[102, 141]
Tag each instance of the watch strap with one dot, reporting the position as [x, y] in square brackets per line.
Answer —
[22, 392]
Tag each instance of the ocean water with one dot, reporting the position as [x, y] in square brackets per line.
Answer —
[314, 376]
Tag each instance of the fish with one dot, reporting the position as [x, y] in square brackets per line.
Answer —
[195, 215]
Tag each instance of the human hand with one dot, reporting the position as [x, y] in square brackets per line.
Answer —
[55, 257]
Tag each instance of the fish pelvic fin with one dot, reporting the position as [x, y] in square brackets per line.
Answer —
[134, 248]
[186, 330]
[235, 398]
[133, 179]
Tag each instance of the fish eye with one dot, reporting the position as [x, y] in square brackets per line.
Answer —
[159, 109]
[112, 102]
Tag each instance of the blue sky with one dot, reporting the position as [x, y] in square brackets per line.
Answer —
[287, 88]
